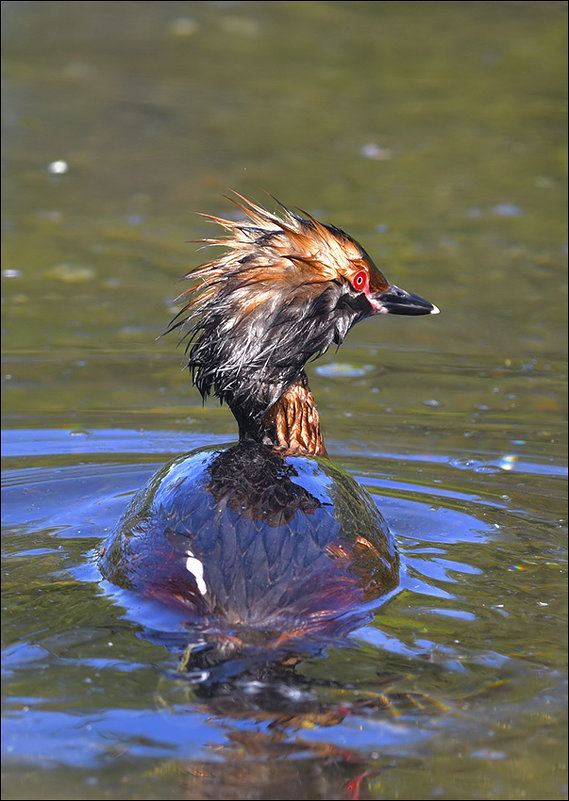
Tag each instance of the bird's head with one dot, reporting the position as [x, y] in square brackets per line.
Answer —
[286, 289]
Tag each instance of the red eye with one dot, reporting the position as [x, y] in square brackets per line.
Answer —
[360, 280]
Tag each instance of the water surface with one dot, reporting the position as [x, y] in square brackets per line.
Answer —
[435, 134]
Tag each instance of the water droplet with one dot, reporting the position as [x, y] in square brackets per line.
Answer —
[506, 210]
[343, 370]
[488, 753]
[375, 152]
[59, 167]
[183, 26]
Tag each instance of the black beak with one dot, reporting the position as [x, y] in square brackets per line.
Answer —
[398, 301]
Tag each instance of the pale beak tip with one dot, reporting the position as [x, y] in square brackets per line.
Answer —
[435, 310]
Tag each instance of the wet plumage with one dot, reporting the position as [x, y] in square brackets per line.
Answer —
[267, 536]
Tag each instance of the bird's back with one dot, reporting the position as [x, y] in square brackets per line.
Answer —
[250, 538]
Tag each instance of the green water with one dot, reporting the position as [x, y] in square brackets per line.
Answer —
[434, 133]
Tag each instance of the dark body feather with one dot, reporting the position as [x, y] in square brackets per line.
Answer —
[287, 545]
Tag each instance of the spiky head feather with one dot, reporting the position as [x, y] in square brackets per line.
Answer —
[281, 294]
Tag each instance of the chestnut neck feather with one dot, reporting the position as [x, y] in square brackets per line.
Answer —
[293, 423]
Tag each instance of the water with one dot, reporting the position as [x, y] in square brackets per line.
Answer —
[433, 133]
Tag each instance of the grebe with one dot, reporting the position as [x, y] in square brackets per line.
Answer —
[265, 544]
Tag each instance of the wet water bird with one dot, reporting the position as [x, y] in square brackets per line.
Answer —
[265, 544]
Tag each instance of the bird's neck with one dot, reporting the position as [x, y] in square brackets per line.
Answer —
[293, 423]
[290, 423]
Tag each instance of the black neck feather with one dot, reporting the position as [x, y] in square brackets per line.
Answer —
[247, 357]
